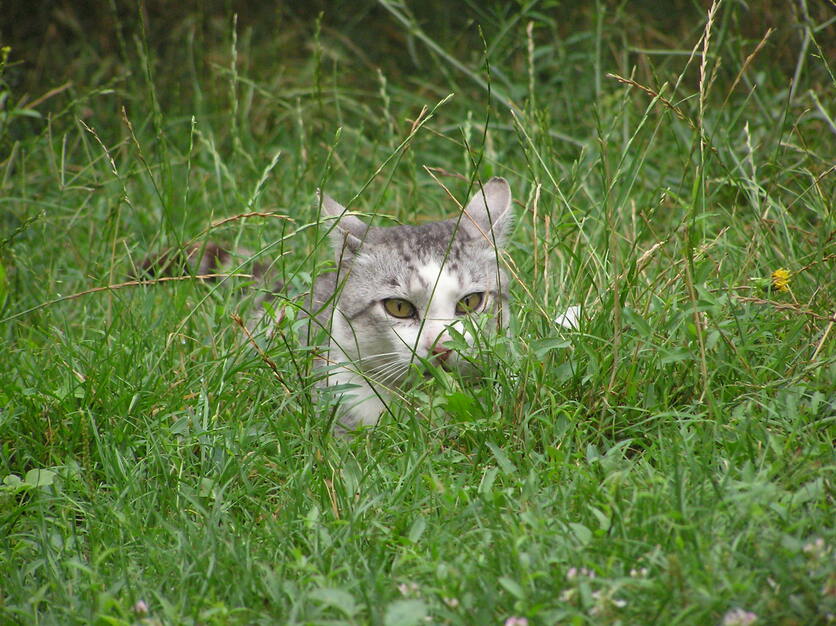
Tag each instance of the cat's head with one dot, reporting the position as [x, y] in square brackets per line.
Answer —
[404, 287]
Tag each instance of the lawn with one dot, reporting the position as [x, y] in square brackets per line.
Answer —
[668, 460]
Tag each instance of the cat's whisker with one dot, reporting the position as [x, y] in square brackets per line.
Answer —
[378, 354]
[382, 355]
[386, 375]
[383, 361]
[392, 376]
[380, 372]
[385, 372]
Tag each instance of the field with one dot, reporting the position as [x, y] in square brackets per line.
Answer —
[668, 461]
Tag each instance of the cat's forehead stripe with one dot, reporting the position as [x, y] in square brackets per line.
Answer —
[429, 274]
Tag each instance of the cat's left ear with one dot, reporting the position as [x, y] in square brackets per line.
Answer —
[349, 231]
[488, 215]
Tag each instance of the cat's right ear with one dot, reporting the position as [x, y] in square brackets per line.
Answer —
[488, 215]
[349, 231]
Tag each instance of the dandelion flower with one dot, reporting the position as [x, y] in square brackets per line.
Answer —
[781, 279]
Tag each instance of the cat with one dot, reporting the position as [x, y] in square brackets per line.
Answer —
[400, 294]
[397, 297]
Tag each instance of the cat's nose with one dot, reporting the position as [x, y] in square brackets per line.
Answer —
[441, 353]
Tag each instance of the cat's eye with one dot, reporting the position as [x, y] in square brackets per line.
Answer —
[398, 307]
[469, 303]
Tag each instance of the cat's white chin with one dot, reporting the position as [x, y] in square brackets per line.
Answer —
[365, 398]
[362, 402]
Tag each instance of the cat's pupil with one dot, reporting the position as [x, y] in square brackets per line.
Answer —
[397, 307]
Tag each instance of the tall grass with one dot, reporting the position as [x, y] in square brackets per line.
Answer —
[668, 461]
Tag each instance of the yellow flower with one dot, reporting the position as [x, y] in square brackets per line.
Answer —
[781, 279]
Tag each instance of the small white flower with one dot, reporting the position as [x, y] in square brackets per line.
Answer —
[451, 602]
[408, 589]
[516, 621]
[574, 572]
[140, 608]
[605, 601]
[739, 617]
[816, 549]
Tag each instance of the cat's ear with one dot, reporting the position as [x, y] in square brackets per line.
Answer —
[488, 215]
[349, 231]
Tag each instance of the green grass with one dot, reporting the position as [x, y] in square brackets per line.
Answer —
[668, 462]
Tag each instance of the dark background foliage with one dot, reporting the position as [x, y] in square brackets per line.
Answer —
[50, 39]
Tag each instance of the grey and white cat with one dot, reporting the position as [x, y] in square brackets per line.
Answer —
[398, 291]
[397, 296]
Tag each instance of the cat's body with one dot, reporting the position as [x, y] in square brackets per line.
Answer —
[399, 290]
[398, 296]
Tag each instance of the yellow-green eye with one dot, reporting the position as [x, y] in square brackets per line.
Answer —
[398, 307]
[469, 303]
